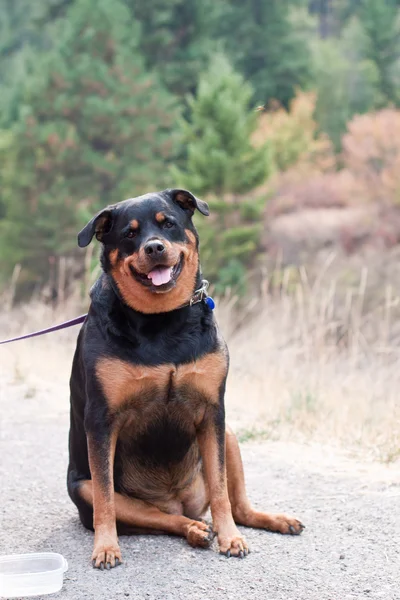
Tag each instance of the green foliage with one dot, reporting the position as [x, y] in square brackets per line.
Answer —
[232, 275]
[177, 38]
[228, 253]
[357, 66]
[220, 157]
[265, 46]
[381, 24]
[346, 81]
[88, 109]
[222, 161]
[25, 28]
[252, 210]
[344, 10]
[92, 129]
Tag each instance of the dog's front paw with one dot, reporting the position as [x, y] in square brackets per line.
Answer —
[285, 524]
[232, 543]
[200, 534]
[106, 554]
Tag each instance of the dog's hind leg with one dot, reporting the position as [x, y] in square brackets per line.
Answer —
[243, 512]
[133, 514]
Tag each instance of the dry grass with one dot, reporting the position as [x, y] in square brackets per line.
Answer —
[308, 363]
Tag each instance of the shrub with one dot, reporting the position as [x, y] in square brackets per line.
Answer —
[293, 134]
[371, 151]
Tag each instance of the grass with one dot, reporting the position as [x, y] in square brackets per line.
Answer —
[310, 362]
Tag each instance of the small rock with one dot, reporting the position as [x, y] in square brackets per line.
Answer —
[342, 556]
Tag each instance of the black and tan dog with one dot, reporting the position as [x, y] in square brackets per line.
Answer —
[149, 451]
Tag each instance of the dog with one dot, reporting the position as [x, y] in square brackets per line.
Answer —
[148, 448]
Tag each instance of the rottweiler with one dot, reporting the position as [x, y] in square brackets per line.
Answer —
[149, 450]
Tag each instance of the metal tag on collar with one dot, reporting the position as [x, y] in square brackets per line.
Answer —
[201, 294]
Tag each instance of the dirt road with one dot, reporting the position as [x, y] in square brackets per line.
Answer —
[349, 550]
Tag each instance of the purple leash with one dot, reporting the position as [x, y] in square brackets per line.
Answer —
[199, 295]
[64, 325]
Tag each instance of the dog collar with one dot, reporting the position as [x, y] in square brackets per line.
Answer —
[201, 295]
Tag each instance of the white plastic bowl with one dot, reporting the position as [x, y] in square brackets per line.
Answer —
[31, 574]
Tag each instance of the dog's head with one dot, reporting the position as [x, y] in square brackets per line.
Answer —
[150, 248]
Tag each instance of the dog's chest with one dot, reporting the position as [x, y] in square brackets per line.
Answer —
[125, 384]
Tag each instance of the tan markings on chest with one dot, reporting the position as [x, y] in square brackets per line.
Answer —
[122, 381]
[205, 375]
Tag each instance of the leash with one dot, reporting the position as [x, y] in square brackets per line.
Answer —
[199, 296]
[64, 325]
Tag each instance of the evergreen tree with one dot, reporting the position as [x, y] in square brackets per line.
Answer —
[381, 23]
[343, 9]
[346, 81]
[265, 47]
[324, 11]
[221, 164]
[177, 38]
[220, 157]
[25, 28]
[92, 129]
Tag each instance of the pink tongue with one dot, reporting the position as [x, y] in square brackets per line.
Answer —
[160, 275]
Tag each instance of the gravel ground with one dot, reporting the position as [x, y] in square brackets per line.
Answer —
[350, 548]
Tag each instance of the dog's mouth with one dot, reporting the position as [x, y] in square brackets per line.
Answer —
[161, 278]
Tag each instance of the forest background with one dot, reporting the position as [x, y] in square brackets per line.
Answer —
[285, 116]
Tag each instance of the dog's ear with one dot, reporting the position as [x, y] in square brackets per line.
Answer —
[188, 202]
[99, 225]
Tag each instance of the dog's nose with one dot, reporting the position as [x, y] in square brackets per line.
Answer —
[154, 248]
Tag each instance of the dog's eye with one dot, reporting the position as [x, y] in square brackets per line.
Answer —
[131, 233]
[168, 224]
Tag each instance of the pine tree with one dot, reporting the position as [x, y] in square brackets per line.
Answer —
[220, 157]
[355, 78]
[223, 165]
[263, 44]
[381, 23]
[177, 38]
[25, 29]
[92, 129]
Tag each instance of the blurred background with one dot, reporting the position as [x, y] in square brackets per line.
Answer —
[285, 116]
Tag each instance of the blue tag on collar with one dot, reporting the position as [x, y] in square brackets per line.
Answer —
[210, 302]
